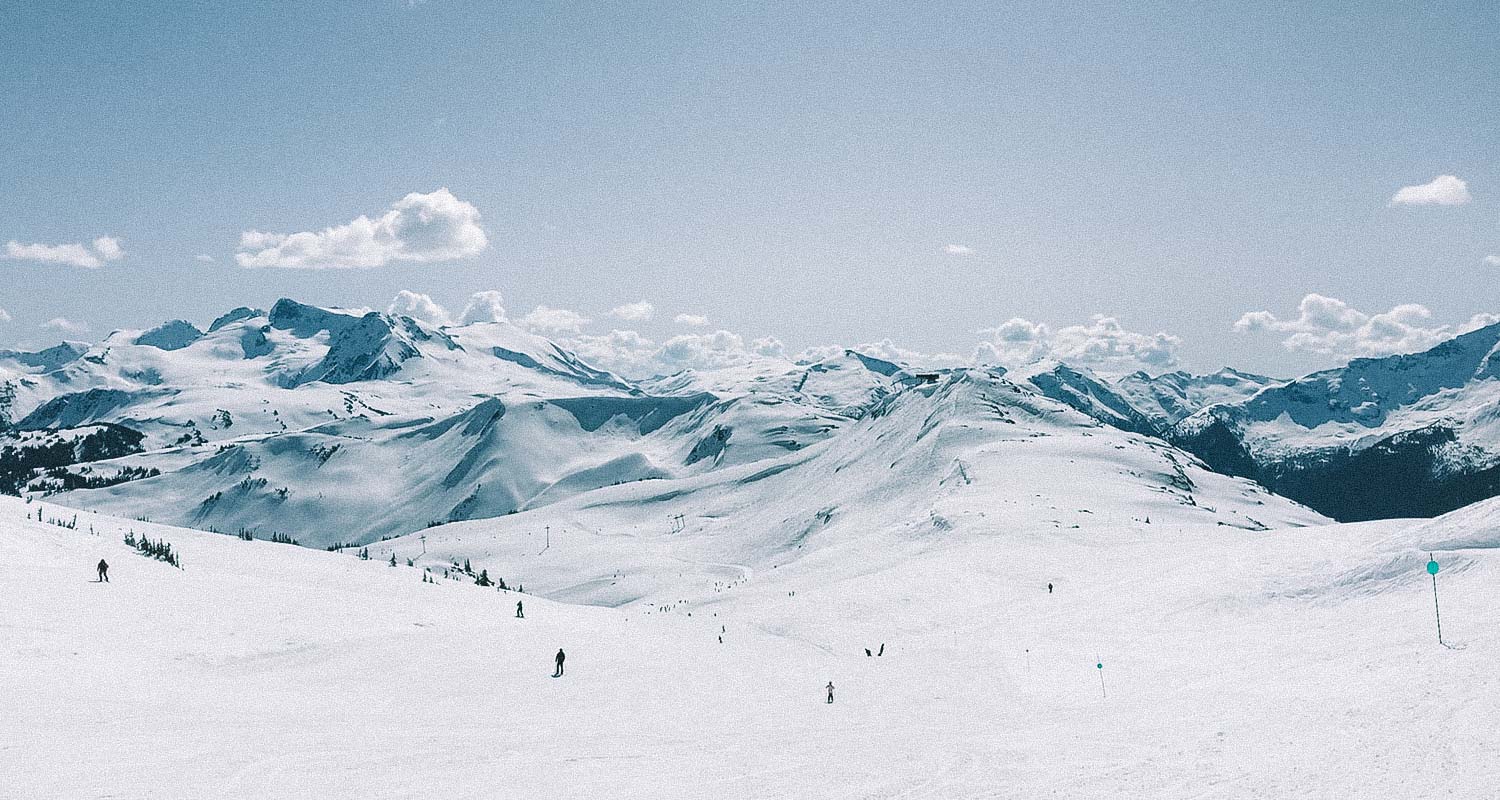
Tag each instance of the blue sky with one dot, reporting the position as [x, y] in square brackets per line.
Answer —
[789, 170]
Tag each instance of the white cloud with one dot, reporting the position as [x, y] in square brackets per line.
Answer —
[1483, 320]
[634, 312]
[486, 306]
[1444, 190]
[67, 326]
[418, 228]
[419, 307]
[886, 350]
[553, 320]
[623, 352]
[204, 258]
[1101, 344]
[691, 320]
[1493, 261]
[958, 250]
[105, 248]
[1329, 326]
[627, 352]
[4, 315]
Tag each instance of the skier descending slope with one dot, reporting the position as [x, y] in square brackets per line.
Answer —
[830, 691]
[520, 614]
[103, 571]
[560, 656]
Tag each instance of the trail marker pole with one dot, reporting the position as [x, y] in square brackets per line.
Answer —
[423, 537]
[1432, 569]
[1102, 690]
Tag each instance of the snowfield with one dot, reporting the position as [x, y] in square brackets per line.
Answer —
[1299, 662]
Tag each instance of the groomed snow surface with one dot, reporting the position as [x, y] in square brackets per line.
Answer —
[1300, 662]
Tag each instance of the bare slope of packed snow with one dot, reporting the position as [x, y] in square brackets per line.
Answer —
[1296, 663]
[969, 448]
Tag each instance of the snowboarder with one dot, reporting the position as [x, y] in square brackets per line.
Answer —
[520, 613]
[830, 691]
[560, 657]
[103, 571]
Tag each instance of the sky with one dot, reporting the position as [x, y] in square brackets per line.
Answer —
[1273, 186]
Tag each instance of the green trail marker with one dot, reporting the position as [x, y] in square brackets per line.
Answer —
[1432, 569]
[1102, 690]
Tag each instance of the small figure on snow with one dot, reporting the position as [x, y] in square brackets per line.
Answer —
[830, 691]
[103, 571]
[560, 657]
[1049, 588]
[882, 650]
[520, 612]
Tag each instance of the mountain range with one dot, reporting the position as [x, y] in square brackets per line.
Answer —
[333, 426]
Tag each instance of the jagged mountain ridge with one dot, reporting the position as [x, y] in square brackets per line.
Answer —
[283, 420]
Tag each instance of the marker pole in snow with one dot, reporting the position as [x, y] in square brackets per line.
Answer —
[1100, 666]
[423, 537]
[1432, 569]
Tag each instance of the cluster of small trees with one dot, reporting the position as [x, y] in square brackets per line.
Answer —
[161, 550]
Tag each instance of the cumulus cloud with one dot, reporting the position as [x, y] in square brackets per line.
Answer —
[4, 315]
[64, 325]
[1329, 326]
[691, 320]
[418, 228]
[93, 256]
[553, 320]
[627, 352]
[886, 350]
[634, 312]
[623, 352]
[486, 306]
[204, 258]
[1101, 344]
[1444, 190]
[1493, 261]
[958, 250]
[419, 307]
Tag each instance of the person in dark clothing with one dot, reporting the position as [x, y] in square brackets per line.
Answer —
[520, 613]
[882, 649]
[830, 691]
[1049, 588]
[560, 657]
[103, 571]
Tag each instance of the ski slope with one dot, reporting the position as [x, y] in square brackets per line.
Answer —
[1289, 663]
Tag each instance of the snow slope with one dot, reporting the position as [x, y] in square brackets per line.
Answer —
[1282, 664]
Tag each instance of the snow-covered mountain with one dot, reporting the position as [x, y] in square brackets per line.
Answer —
[331, 425]
[1404, 435]
[334, 426]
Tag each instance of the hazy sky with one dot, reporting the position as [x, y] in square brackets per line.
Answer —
[817, 172]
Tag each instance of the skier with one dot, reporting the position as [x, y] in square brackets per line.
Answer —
[520, 613]
[103, 572]
[882, 649]
[1049, 588]
[560, 657]
[830, 691]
